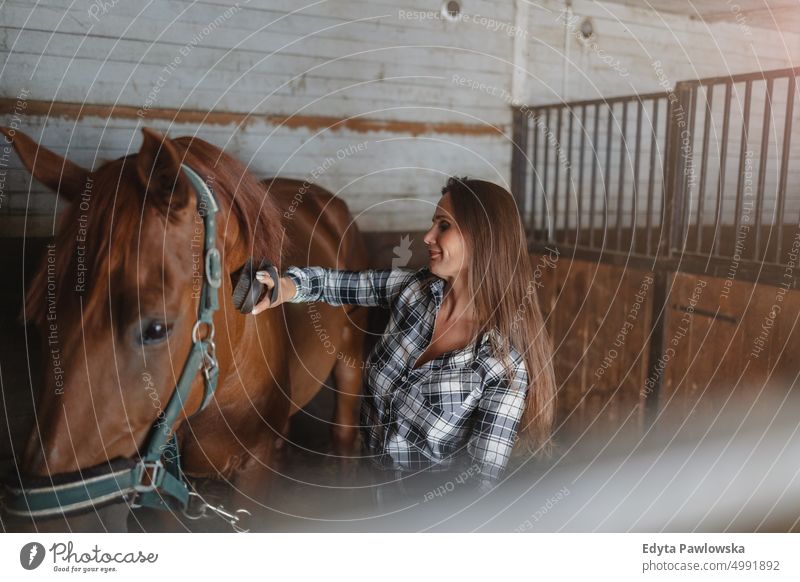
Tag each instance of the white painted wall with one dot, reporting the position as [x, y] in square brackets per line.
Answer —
[636, 50]
[330, 59]
[628, 40]
[339, 59]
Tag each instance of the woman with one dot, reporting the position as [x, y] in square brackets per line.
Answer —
[464, 367]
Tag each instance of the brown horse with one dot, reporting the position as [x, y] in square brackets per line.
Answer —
[116, 298]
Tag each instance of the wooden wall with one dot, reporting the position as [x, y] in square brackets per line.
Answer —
[285, 87]
[742, 346]
[598, 317]
[288, 88]
[717, 352]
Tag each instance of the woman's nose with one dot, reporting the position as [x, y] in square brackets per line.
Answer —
[429, 239]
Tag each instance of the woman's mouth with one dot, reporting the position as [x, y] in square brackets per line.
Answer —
[434, 255]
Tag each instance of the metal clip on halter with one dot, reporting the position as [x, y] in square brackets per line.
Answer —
[210, 363]
[213, 268]
[235, 519]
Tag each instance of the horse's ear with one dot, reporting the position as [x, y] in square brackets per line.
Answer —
[54, 171]
[159, 168]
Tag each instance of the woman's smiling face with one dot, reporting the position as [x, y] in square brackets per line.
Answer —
[447, 249]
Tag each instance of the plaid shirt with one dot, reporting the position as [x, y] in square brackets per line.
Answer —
[456, 403]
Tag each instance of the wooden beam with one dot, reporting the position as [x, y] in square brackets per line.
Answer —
[77, 111]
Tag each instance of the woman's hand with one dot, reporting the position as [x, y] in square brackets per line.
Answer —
[286, 290]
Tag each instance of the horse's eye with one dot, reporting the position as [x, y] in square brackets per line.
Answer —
[155, 332]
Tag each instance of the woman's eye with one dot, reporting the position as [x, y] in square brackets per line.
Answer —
[155, 332]
[443, 225]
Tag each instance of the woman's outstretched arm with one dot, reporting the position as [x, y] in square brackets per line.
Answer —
[337, 287]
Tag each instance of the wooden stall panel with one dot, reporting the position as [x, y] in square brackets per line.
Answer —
[731, 346]
[599, 319]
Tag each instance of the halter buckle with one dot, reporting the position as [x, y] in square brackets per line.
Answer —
[213, 268]
[209, 363]
[156, 476]
[209, 349]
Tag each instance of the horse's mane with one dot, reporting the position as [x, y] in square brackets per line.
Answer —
[105, 225]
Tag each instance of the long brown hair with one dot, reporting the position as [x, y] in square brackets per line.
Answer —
[502, 285]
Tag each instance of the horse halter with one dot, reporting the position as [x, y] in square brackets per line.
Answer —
[155, 479]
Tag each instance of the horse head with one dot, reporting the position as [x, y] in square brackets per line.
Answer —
[116, 295]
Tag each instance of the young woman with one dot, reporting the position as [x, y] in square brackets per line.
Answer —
[464, 367]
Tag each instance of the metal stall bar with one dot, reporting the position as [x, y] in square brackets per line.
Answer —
[623, 151]
[545, 220]
[531, 222]
[580, 174]
[568, 189]
[595, 164]
[762, 167]
[674, 169]
[652, 178]
[701, 194]
[519, 164]
[637, 158]
[688, 171]
[606, 176]
[722, 164]
[557, 172]
[742, 160]
[787, 137]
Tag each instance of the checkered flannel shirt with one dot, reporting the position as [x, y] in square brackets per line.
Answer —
[456, 403]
